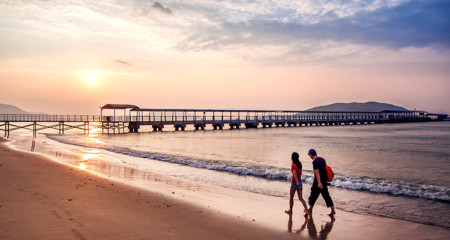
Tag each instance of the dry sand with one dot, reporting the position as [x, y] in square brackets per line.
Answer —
[43, 199]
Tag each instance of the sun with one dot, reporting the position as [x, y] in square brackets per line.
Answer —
[92, 79]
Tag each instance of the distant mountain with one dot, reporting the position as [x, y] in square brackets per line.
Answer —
[10, 109]
[358, 107]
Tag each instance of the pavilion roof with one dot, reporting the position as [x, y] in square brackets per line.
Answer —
[119, 106]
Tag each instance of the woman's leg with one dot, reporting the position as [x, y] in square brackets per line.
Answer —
[300, 197]
[291, 200]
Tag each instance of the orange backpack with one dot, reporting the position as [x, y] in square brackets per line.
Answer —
[330, 173]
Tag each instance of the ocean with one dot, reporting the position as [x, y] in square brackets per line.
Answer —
[398, 171]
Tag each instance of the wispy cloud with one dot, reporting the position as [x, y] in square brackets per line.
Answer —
[122, 62]
[155, 6]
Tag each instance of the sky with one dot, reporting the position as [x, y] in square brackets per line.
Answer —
[71, 57]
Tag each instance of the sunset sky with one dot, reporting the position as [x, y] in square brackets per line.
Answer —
[70, 57]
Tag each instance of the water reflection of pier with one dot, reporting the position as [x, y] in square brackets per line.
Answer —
[119, 117]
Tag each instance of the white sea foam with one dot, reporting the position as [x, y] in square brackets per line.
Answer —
[431, 192]
[392, 187]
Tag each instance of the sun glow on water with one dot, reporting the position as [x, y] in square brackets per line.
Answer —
[88, 155]
[95, 128]
[82, 166]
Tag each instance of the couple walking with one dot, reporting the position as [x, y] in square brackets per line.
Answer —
[318, 187]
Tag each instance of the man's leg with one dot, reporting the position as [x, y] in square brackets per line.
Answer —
[328, 200]
[315, 192]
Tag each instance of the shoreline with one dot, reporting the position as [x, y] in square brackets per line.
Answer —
[89, 199]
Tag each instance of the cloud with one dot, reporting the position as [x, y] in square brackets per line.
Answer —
[122, 62]
[410, 24]
[415, 23]
[156, 6]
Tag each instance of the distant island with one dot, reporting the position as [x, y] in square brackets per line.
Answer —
[10, 109]
[358, 107]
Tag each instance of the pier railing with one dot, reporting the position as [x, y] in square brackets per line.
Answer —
[171, 115]
[199, 118]
[216, 115]
[48, 118]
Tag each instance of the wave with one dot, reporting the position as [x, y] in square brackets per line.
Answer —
[376, 185]
[379, 185]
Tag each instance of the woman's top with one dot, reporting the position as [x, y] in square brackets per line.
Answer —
[299, 173]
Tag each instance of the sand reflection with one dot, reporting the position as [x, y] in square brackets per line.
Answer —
[312, 230]
[88, 155]
[290, 223]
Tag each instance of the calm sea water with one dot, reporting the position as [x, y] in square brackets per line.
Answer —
[399, 171]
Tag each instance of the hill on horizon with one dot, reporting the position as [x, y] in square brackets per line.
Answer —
[358, 107]
[10, 109]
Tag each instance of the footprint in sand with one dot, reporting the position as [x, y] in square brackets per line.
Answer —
[78, 234]
[56, 214]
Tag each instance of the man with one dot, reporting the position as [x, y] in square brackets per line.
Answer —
[319, 185]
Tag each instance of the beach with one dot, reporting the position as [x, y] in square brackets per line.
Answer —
[44, 199]
[41, 199]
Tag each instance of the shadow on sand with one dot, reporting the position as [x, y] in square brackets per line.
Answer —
[312, 231]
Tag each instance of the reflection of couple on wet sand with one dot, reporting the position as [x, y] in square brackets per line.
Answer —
[312, 231]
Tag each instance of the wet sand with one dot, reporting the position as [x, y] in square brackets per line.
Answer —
[43, 199]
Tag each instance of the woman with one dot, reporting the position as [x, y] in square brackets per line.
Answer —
[296, 184]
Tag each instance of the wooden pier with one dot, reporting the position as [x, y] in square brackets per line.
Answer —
[219, 119]
[117, 118]
[38, 122]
